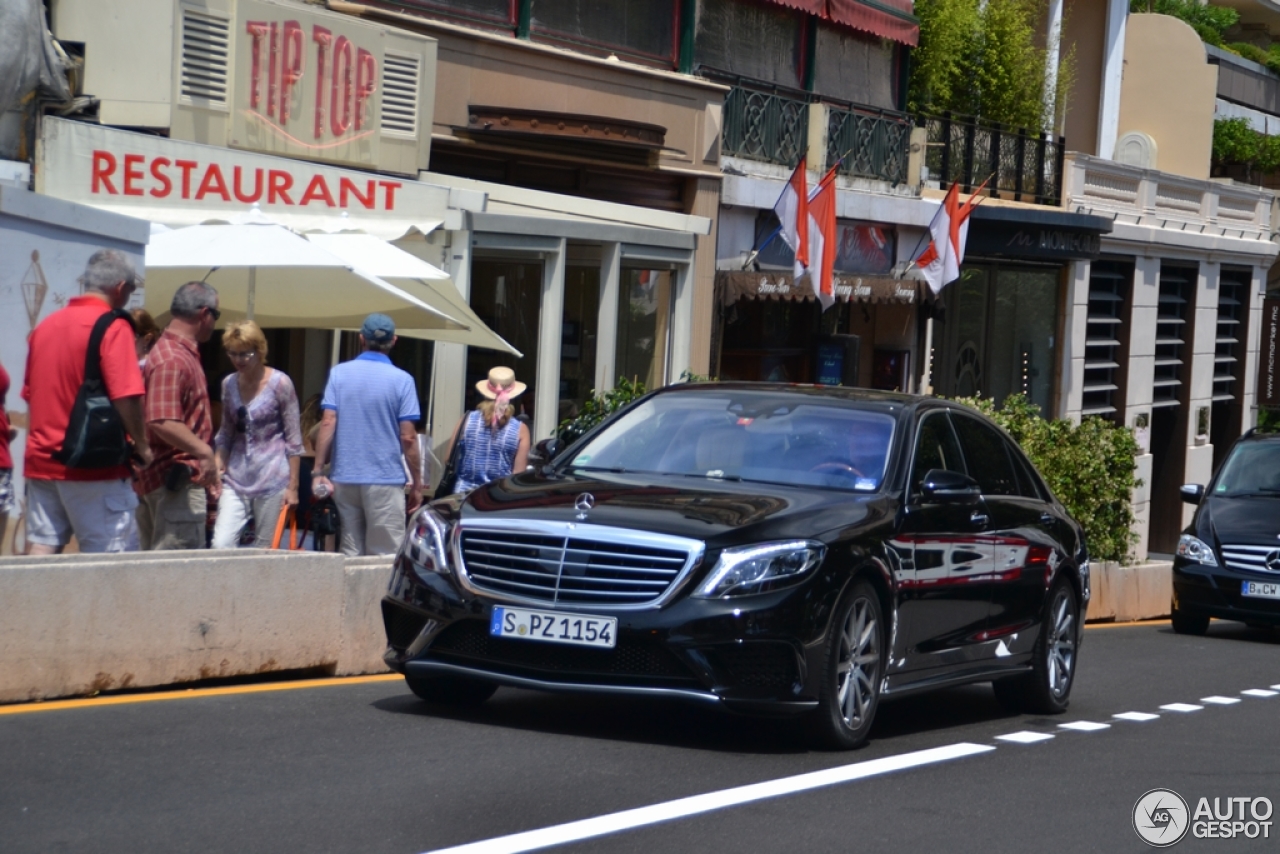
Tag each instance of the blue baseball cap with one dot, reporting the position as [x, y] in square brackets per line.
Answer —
[378, 328]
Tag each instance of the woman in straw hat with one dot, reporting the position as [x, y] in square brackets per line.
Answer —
[495, 443]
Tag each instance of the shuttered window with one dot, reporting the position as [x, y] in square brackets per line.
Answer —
[400, 81]
[1229, 340]
[205, 56]
[1173, 333]
[1110, 283]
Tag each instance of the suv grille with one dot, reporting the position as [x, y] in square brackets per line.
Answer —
[1251, 558]
[558, 569]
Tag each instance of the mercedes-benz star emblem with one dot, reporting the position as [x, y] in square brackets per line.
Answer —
[1273, 560]
[583, 503]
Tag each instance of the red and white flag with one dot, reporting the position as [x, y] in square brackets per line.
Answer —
[792, 209]
[949, 232]
[822, 239]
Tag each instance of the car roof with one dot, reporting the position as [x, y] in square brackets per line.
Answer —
[833, 392]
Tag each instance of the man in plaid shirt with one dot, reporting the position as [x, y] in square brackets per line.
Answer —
[173, 509]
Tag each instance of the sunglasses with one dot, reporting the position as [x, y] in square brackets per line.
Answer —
[242, 419]
[217, 315]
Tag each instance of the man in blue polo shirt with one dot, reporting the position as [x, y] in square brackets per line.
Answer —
[370, 407]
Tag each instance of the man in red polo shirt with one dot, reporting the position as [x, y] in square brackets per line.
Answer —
[179, 421]
[96, 505]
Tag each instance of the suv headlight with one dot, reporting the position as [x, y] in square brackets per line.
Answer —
[426, 543]
[761, 568]
[1196, 549]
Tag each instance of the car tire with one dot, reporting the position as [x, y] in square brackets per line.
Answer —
[1046, 690]
[451, 690]
[1187, 624]
[852, 669]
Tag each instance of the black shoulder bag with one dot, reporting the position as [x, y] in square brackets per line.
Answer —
[96, 437]
[451, 467]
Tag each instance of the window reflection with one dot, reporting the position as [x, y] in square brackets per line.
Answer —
[644, 325]
[507, 295]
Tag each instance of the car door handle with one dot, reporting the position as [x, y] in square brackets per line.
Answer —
[980, 519]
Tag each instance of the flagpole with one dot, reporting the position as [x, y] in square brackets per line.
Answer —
[925, 377]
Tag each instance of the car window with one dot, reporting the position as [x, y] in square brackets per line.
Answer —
[936, 448]
[1029, 483]
[986, 456]
[1252, 468]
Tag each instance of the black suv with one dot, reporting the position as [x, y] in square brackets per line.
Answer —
[763, 548]
[1228, 560]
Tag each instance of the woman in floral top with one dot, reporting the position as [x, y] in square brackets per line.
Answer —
[259, 443]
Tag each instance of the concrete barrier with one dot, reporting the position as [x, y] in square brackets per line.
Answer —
[1122, 593]
[73, 625]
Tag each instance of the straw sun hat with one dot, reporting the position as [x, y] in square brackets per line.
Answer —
[501, 381]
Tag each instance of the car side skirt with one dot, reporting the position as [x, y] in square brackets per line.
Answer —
[901, 687]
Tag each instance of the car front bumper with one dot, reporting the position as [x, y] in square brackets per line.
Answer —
[1214, 591]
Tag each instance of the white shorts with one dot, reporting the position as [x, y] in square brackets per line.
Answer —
[100, 513]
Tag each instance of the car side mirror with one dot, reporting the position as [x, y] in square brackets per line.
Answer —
[547, 449]
[1192, 493]
[949, 487]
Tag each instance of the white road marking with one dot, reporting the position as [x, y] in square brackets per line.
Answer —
[1259, 692]
[1277, 687]
[1220, 701]
[1084, 726]
[1181, 707]
[1025, 737]
[589, 828]
[1140, 717]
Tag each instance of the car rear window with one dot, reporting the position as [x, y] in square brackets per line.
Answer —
[748, 436]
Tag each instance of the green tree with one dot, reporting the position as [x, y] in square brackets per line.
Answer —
[1209, 22]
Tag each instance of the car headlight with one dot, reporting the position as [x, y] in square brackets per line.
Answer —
[1196, 549]
[426, 542]
[758, 569]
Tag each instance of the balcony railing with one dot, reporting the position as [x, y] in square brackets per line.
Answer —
[1022, 165]
[765, 126]
[873, 143]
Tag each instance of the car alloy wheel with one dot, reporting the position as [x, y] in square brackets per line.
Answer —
[1188, 624]
[1046, 690]
[854, 667]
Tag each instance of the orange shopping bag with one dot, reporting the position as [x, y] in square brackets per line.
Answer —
[287, 512]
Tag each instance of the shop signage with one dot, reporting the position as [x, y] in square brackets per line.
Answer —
[1019, 240]
[733, 285]
[179, 182]
[1269, 355]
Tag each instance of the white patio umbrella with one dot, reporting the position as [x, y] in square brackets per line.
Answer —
[410, 273]
[267, 273]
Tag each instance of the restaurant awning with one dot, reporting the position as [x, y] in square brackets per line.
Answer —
[733, 285]
[889, 19]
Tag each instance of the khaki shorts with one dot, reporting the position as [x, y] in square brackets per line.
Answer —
[98, 512]
[173, 519]
[371, 517]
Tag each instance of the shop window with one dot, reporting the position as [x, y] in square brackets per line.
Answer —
[866, 248]
[500, 13]
[763, 43]
[644, 325]
[771, 341]
[855, 67]
[578, 336]
[644, 29]
[507, 296]
[1105, 333]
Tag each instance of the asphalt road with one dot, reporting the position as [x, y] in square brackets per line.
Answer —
[363, 766]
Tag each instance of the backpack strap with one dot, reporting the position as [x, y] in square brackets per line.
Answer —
[93, 355]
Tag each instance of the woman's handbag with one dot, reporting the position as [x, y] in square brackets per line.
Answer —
[450, 478]
[96, 436]
[286, 512]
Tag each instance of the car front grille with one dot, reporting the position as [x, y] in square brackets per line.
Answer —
[1252, 558]
[569, 565]
[403, 625]
[469, 642]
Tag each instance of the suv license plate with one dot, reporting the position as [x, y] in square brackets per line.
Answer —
[554, 627]
[1260, 589]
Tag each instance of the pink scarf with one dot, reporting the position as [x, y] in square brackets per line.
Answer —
[500, 403]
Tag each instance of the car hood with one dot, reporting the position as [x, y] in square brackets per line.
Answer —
[1245, 520]
[714, 511]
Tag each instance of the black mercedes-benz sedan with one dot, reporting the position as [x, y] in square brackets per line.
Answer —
[1228, 560]
[769, 549]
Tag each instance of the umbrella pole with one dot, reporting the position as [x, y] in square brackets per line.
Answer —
[253, 287]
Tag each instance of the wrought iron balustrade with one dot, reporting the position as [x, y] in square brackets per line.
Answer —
[765, 126]
[873, 143]
[1022, 165]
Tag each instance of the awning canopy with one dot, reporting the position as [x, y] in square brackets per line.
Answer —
[733, 285]
[890, 19]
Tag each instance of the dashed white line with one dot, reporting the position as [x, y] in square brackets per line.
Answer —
[1140, 717]
[589, 828]
[1025, 737]
[1220, 701]
[1181, 707]
[1259, 692]
[1084, 726]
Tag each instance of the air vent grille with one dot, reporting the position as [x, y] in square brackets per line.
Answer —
[400, 81]
[206, 50]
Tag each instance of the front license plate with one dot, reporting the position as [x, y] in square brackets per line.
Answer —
[554, 627]
[1260, 589]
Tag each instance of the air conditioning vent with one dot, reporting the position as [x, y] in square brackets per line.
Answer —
[205, 56]
[400, 81]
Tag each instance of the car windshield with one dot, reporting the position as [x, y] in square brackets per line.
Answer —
[1252, 469]
[746, 436]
